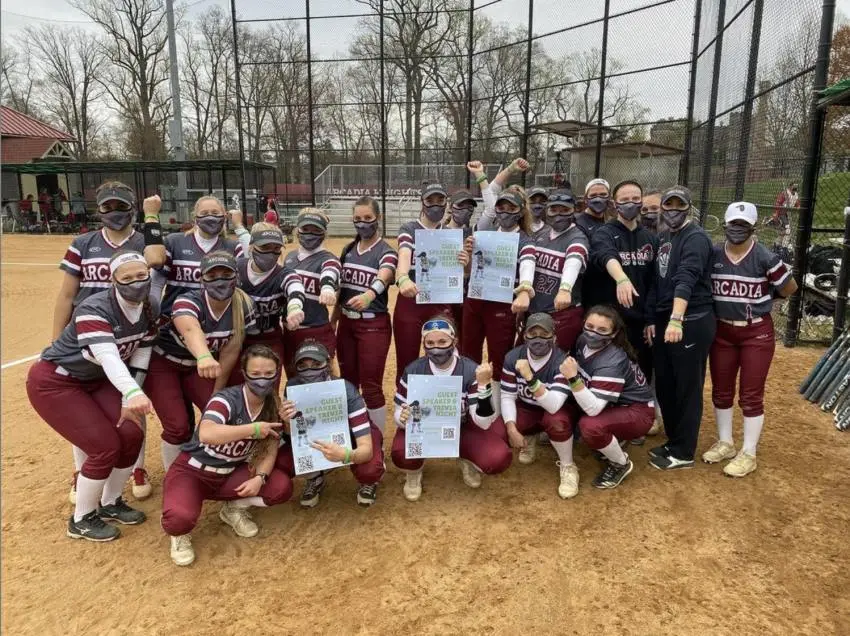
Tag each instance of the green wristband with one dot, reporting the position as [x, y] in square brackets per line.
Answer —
[622, 280]
[256, 434]
[347, 458]
[402, 280]
[131, 393]
[203, 357]
[676, 324]
[481, 179]
[534, 386]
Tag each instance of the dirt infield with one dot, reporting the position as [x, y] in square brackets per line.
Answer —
[692, 552]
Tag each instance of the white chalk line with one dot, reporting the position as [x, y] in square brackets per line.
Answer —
[13, 363]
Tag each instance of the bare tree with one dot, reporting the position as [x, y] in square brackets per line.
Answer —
[19, 81]
[135, 81]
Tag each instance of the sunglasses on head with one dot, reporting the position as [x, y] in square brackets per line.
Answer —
[437, 325]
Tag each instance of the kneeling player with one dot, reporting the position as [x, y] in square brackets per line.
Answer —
[533, 396]
[366, 457]
[615, 400]
[225, 459]
[483, 440]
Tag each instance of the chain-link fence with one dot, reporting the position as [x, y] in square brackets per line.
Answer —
[373, 97]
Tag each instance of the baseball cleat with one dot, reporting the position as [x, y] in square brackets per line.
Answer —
[367, 494]
[413, 485]
[92, 528]
[471, 475]
[121, 512]
[719, 451]
[613, 474]
[182, 552]
[141, 484]
[568, 487]
[527, 454]
[72, 494]
[660, 451]
[239, 519]
[670, 463]
[312, 491]
[741, 466]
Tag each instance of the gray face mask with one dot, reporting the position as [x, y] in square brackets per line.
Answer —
[366, 230]
[265, 261]
[461, 216]
[539, 347]
[310, 241]
[650, 221]
[675, 218]
[260, 387]
[117, 219]
[508, 220]
[537, 210]
[737, 234]
[313, 375]
[435, 213]
[629, 211]
[221, 288]
[439, 355]
[560, 222]
[597, 205]
[593, 340]
[211, 225]
[134, 292]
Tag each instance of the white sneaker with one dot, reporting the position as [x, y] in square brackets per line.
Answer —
[413, 485]
[239, 519]
[141, 484]
[182, 552]
[527, 454]
[471, 475]
[742, 465]
[569, 480]
[719, 451]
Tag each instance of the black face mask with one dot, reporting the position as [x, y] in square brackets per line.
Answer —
[508, 220]
[537, 210]
[737, 234]
[135, 291]
[597, 205]
[560, 222]
[675, 218]
[439, 355]
[366, 229]
[265, 261]
[461, 216]
[261, 387]
[650, 221]
[435, 213]
[593, 340]
[211, 225]
[319, 374]
[629, 211]
[539, 347]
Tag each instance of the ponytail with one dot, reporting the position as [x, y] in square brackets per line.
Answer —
[239, 304]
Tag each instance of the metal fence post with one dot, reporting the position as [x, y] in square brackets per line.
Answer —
[383, 125]
[597, 164]
[238, 72]
[811, 168]
[685, 165]
[310, 108]
[747, 116]
[526, 128]
[469, 55]
[712, 112]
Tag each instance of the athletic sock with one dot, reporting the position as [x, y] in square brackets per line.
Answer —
[169, 454]
[140, 460]
[88, 494]
[248, 502]
[724, 424]
[79, 458]
[614, 453]
[752, 433]
[114, 485]
[564, 450]
[378, 417]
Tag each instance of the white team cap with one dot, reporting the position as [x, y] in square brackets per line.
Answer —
[594, 182]
[741, 211]
[126, 257]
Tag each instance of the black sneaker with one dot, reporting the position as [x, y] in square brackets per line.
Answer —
[660, 451]
[367, 494]
[670, 463]
[312, 490]
[92, 528]
[613, 474]
[121, 512]
[638, 441]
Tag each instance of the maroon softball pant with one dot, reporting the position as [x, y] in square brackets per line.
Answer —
[86, 414]
[370, 472]
[487, 449]
[293, 339]
[362, 346]
[748, 349]
[169, 385]
[273, 340]
[557, 425]
[493, 321]
[628, 421]
[185, 488]
[408, 318]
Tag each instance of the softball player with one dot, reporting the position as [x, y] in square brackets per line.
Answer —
[226, 459]
[744, 277]
[195, 353]
[363, 331]
[275, 290]
[614, 400]
[86, 267]
[461, 208]
[537, 198]
[650, 212]
[533, 395]
[409, 316]
[561, 256]
[492, 320]
[319, 270]
[483, 439]
[597, 204]
[366, 457]
[81, 386]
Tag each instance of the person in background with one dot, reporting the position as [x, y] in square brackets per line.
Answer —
[650, 212]
[684, 329]
[489, 191]
[45, 206]
[461, 208]
[597, 206]
[786, 200]
[78, 208]
[27, 211]
[537, 198]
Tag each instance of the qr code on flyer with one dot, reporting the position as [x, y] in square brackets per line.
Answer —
[453, 282]
[505, 281]
[448, 433]
[475, 291]
[305, 464]
[338, 438]
[425, 296]
[414, 449]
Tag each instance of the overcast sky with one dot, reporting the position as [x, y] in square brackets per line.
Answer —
[653, 37]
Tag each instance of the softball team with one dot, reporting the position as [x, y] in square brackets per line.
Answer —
[235, 315]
